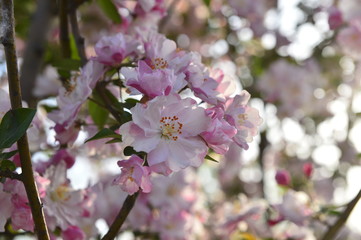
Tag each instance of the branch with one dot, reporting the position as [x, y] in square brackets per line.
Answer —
[11, 175]
[333, 230]
[122, 215]
[35, 48]
[8, 35]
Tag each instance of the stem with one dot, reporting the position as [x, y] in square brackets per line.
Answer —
[7, 29]
[262, 148]
[120, 218]
[64, 29]
[79, 40]
[11, 175]
[35, 48]
[333, 230]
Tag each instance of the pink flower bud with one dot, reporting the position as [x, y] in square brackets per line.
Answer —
[308, 169]
[335, 19]
[283, 177]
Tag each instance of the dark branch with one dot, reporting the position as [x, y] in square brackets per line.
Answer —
[7, 10]
[122, 215]
[333, 230]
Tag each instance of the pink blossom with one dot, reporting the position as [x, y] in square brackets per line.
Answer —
[66, 135]
[63, 206]
[243, 117]
[151, 82]
[73, 233]
[335, 19]
[6, 207]
[133, 176]
[22, 218]
[349, 39]
[60, 156]
[71, 98]
[162, 53]
[145, 6]
[219, 133]
[199, 80]
[295, 207]
[283, 177]
[168, 128]
[112, 50]
[307, 169]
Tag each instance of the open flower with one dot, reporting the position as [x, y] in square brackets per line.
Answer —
[112, 50]
[243, 117]
[168, 129]
[133, 176]
[219, 133]
[151, 82]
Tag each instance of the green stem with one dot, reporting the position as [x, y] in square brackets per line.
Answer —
[16, 102]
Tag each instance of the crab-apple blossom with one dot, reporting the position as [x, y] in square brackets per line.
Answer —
[219, 133]
[133, 176]
[112, 50]
[244, 118]
[75, 93]
[151, 82]
[168, 128]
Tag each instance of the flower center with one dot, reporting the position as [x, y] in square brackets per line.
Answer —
[170, 128]
[242, 118]
[158, 63]
[61, 193]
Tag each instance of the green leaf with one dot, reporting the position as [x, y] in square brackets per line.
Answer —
[7, 165]
[14, 125]
[211, 159]
[114, 140]
[104, 133]
[207, 2]
[110, 10]
[7, 155]
[74, 48]
[130, 102]
[67, 64]
[98, 114]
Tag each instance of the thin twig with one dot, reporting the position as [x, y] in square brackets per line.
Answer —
[35, 48]
[8, 35]
[333, 230]
[120, 218]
